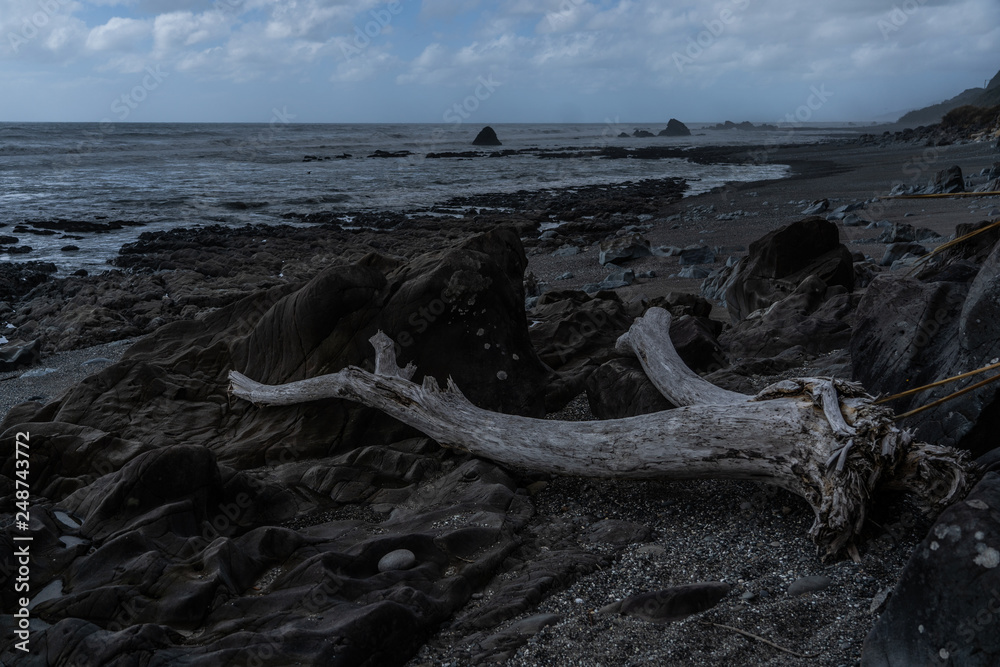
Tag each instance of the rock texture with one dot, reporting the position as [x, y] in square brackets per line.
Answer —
[945, 608]
[780, 260]
[210, 533]
[911, 331]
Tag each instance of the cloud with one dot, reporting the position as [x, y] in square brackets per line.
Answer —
[118, 34]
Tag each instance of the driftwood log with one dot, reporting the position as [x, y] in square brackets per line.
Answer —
[820, 438]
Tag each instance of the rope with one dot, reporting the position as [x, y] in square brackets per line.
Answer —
[951, 243]
[949, 397]
[911, 392]
[944, 195]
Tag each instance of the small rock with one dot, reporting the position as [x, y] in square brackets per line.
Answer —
[565, 276]
[816, 207]
[697, 255]
[879, 601]
[810, 584]
[674, 604]
[400, 559]
[614, 531]
[566, 251]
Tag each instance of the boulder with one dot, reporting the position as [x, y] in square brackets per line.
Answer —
[946, 605]
[675, 128]
[777, 262]
[643, 134]
[946, 181]
[912, 331]
[815, 316]
[486, 137]
[624, 248]
[620, 388]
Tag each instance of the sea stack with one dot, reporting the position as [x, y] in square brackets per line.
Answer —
[675, 128]
[486, 137]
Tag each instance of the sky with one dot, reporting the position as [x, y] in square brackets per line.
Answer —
[449, 61]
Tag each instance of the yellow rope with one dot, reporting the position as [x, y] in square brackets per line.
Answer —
[911, 392]
[944, 194]
[951, 243]
[949, 397]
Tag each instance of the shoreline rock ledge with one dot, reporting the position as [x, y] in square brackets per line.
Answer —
[486, 137]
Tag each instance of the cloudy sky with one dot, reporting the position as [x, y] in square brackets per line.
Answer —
[500, 61]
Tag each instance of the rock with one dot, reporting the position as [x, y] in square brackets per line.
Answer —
[781, 259]
[16, 356]
[196, 514]
[906, 233]
[675, 128]
[946, 603]
[486, 137]
[718, 282]
[817, 207]
[912, 331]
[814, 316]
[613, 281]
[696, 272]
[620, 388]
[694, 338]
[642, 134]
[400, 559]
[565, 276]
[623, 135]
[946, 181]
[624, 248]
[566, 251]
[70, 248]
[897, 251]
[697, 255]
[811, 584]
[674, 604]
[614, 531]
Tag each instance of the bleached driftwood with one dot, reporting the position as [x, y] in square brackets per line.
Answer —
[819, 438]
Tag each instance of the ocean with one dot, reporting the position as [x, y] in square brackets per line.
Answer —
[143, 177]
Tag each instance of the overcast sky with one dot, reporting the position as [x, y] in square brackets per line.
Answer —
[502, 61]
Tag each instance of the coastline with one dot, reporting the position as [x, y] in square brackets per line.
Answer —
[752, 537]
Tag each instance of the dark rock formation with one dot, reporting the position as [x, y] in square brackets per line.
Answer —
[486, 137]
[945, 321]
[620, 388]
[945, 608]
[815, 316]
[947, 181]
[261, 531]
[643, 134]
[675, 128]
[780, 260]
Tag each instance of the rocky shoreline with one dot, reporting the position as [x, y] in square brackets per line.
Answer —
[271, 548]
